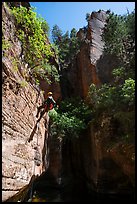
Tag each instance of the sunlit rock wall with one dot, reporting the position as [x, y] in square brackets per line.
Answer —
[82, 71]
[20, 159]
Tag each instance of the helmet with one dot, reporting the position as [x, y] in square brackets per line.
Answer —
[49, 93]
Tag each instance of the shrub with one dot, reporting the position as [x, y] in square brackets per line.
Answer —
[72, 117]
[128, 91]
[32, 31]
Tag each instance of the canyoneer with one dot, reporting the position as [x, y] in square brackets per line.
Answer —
[47, 105]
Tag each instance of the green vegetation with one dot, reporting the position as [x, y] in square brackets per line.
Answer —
[32, 31]
[118, 98]
[23, 83]
[88, 16]
[113, 98]
[119, 37]
[72, 117]
[6, 45]
[15, 63]
[67, 45]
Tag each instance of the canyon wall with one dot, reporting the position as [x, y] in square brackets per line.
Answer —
[106, 164]
[24, 144]
[82, 71]
[103, 165]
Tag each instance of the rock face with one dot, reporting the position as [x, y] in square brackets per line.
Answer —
[20, 159]
[17, 4]
[104, 67]
[93, 158]
[82, 71]
[105, 169]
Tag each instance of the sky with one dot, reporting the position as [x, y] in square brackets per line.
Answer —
[68, 15]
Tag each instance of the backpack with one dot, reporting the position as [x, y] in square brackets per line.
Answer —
[49, 104]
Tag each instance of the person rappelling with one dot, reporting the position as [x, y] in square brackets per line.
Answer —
[47, 105]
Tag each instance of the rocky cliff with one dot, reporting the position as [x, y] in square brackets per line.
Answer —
[83, 71]
[20, 97]
[95, 158]
[106, 164]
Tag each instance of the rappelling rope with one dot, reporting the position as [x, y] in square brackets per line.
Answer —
[37, 135]
[34, 165]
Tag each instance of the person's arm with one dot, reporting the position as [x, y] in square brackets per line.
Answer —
[40, 107]
[54, 102]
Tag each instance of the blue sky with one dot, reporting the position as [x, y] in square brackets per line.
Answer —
[68, 15]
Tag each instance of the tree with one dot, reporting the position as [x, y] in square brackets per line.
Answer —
[74, 43]
[87, 17]
[56, 34]
[73, 33]
[118, 99]
[68, 45]
[119, 38]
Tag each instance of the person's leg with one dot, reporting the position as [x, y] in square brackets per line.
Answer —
[38, 110]
[41, 115]
[46, 126]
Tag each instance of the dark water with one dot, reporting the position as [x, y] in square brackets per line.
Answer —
[51, 195]
[76, 192]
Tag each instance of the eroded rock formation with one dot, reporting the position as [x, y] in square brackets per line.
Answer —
[82, 71]
[105, 169]
[95, 158]
[24, 144]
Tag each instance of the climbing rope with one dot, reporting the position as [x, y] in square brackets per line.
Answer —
[37, 135]
[33, 172]
[34, 166]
